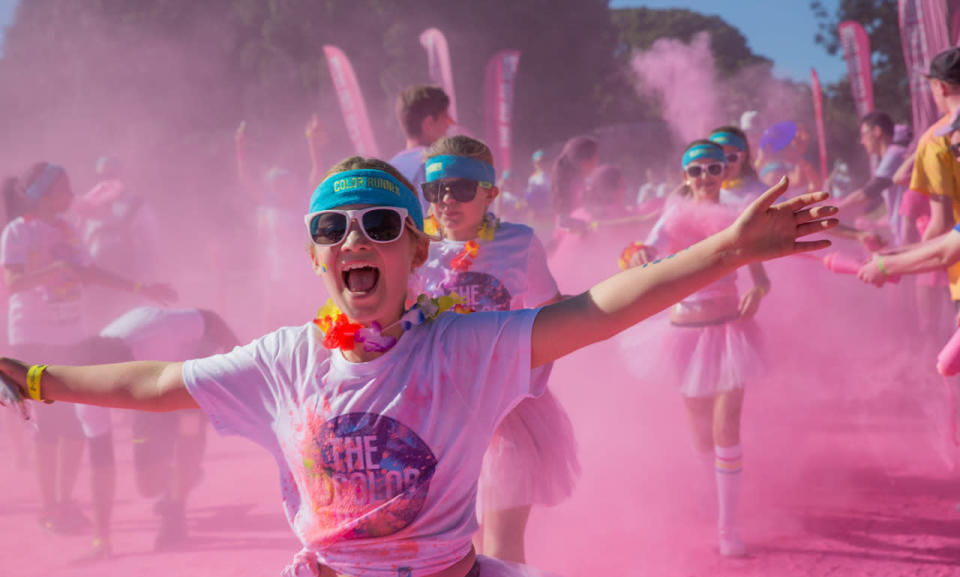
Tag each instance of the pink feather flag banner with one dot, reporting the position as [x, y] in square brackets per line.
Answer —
[818, 112]
[923, 34]
[352, 106]
[856, 51]
[438, 61]
[499, 84]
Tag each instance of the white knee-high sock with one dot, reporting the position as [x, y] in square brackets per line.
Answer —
[728, 466]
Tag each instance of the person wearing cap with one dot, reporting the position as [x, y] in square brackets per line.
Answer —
[936, 173]
[927, 259]
[933, 254]
[378, 415]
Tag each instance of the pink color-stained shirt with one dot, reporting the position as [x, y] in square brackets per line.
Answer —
[378, 461]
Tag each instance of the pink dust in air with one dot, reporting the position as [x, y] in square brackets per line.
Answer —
[846, 468]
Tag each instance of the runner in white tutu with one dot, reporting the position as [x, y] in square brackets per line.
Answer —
[378, 418]
[499, 266]
[711, 341]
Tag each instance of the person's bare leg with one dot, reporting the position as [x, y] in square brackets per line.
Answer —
[69, 460]
[503, 533]
[191, 436]
[700, 413]
[46, 462]
[103, 479]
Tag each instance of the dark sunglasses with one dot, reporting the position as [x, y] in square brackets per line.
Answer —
[380, 224]
[461, 189]
[733, 157]
[696, 170]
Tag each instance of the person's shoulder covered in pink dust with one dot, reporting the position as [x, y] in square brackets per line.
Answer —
[494, 265]
[378, 415]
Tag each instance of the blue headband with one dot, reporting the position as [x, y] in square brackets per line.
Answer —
[367, 186]
[451, 166]
[42, 184]
[728, 139]
[703, 151]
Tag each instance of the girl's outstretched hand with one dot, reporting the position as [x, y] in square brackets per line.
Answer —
[766, 231]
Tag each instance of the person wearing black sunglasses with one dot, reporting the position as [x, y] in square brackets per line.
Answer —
[711, 337]
[499, 266]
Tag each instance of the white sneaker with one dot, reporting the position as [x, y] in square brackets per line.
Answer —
[731, 545]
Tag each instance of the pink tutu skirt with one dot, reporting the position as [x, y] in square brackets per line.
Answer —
[532, 458]
[702, 360]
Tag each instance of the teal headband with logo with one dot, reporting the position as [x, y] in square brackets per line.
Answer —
[452, 166]
[703, 152]
[366, 186]
[728, 139]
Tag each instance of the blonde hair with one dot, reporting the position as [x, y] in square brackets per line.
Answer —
[460, 145]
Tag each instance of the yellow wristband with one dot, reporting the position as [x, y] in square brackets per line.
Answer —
[880, 267]
[34, 376]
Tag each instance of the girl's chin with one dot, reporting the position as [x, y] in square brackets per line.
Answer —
[365, 308]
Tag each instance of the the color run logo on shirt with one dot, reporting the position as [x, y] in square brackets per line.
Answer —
[482, 292]
[368, 476]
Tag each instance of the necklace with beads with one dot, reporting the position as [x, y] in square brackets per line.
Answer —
[339, 332]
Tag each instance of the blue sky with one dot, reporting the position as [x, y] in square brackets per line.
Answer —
[6, 14]
[781, 30]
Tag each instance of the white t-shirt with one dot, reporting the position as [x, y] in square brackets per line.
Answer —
[410, 164]
[50, 313]
[509, 272]
[158, 334]
[378, 461]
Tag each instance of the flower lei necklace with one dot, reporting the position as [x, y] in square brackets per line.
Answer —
[488, 230]
[339, 332]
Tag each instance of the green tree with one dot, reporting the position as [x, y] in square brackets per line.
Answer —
[880, 20]
[639, 28]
